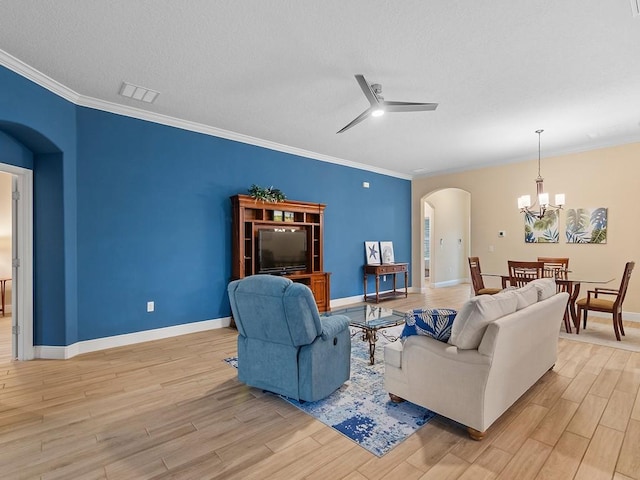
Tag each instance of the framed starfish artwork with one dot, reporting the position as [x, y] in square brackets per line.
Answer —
[372, 252]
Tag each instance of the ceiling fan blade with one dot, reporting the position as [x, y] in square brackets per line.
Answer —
[366, 88]
[356, 120]
[408, 106]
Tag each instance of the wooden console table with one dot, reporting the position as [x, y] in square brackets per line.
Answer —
[386, 269]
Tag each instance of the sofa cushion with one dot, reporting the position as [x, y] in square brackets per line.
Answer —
[546, 287]
[527, 295]
[432, 322]
[472, 320]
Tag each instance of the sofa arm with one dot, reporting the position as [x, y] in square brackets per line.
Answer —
[333, 325]
[439, 377]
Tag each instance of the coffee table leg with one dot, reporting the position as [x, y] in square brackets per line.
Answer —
[372, 338]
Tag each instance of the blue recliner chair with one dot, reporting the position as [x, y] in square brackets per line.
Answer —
[284, 346]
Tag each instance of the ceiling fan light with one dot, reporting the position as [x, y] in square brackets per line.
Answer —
[378, 112]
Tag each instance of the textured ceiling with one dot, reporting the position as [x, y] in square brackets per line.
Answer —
[282, 71]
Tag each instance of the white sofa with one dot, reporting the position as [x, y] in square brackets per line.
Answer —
[500, 346]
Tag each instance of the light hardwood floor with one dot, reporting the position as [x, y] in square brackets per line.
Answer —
[5, 339]
[173, 409]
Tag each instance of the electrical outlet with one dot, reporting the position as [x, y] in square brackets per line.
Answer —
[151, 306]
[384, 278]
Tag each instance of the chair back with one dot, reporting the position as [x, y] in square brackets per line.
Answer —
[556, 267]
[521, 273]
[476, 274]
[624, 283]
[274, 309]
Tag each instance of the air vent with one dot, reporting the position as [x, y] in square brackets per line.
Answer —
[138, 93]
[635, 7]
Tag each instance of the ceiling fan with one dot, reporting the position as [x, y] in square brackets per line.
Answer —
[379, 105]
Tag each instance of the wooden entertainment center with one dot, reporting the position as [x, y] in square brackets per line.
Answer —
[250, 216]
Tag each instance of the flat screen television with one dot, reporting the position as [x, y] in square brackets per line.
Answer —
[282, 250]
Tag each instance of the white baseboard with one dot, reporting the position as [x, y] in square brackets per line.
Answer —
[341, 302]
[63, 353]
[87, 346]
[450, 283]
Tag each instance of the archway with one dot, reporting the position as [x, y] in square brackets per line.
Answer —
[23, 150]
[449, 212]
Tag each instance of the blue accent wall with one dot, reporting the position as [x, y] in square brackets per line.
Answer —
[50, 325]
[14, 153]
[137, 211]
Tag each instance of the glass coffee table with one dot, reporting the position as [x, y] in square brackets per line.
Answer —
[371, 320]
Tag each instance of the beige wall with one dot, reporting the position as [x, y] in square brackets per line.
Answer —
[5, 231]
[608, 177]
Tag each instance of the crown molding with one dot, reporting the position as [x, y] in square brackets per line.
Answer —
[21, 68]
[39, 78]
[227, 134]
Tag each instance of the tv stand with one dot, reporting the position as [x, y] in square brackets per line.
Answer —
[320, 285]
[250, 215]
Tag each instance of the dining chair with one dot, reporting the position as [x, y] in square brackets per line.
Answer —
[614, 307]
[521, 273]
[556, 267]
[476, 279]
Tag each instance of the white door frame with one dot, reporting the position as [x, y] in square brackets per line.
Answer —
[22, 279]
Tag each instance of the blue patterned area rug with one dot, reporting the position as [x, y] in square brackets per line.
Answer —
[361, 408]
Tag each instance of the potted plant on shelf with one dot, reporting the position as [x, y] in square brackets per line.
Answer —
[269, 194]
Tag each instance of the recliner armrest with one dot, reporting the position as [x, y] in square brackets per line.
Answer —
[333, 325]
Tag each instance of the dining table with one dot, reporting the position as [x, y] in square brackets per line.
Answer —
[570, 282]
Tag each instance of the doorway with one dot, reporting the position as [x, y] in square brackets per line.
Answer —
[427, 247]
[445, 246]
[16, 262]
[6, 236]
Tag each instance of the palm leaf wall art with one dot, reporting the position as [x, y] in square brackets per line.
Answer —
[587, 225]
[541, 230]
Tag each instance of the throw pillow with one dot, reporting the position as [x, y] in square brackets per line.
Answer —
[546, 287]
[432, 322]
[527, 295]
[472, 320]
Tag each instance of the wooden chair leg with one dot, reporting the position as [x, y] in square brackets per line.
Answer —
[615, 327]
[577, 320]
[620, 323]
[584, 318]
[567, 321]
[475, 434]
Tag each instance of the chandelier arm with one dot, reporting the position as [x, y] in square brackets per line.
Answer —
[542, 209]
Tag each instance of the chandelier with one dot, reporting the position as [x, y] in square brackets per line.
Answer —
[541, 206]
